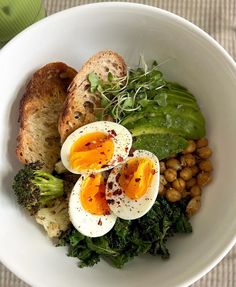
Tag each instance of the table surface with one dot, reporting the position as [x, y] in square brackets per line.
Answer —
[217, 18]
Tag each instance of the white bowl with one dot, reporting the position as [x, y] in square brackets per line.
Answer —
[197, 62]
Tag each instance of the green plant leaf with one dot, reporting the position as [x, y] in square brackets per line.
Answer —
[94, 81]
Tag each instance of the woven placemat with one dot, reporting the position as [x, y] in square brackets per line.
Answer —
[216, 17]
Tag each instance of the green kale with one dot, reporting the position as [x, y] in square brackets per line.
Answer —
[130, 238]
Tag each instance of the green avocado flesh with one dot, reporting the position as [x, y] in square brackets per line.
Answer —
[170, 112]
[162, 145]
[186, 125]
[167, 121]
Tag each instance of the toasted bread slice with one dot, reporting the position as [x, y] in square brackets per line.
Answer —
[79, 106]
[38, 138]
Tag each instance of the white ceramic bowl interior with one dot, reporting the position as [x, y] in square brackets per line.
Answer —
[197, 62]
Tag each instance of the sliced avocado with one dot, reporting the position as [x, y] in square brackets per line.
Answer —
[172, 110]
[162, 145]
[175, 86]
[168, 118]
[180, 94]
[151, 111]
[177, 99]
[186, 125]
[186, 128]
[166, 98]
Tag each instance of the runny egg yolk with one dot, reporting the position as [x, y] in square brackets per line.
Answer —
[136, 177]
[91, 151]
[92, 195]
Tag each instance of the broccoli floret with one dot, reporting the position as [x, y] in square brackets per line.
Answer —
[34, 188]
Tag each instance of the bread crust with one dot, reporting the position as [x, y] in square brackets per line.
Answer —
[80, 104]
[38, 138]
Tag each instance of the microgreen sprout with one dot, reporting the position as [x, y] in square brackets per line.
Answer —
[121, 96]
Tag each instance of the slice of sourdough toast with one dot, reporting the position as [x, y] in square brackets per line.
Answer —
[80, 104]
[38, 138]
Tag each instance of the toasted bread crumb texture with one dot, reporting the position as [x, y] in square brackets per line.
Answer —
[79, 107]
[38, 138]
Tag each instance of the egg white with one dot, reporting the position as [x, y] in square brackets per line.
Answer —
[122, 140]
[85, 222]
[124, 207]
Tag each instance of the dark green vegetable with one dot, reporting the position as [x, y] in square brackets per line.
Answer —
[129, 239]
[35, 188]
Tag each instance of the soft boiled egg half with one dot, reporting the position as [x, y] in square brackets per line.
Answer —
[88, 208]
[132, 187]
[96, 147]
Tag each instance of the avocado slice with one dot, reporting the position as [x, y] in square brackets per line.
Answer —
[180, 93]
[177, 100]
[187, 129]
[190, 126]
[154, 111]
[175, 86]
[162, 145]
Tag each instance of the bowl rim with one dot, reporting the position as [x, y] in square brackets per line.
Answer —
[178, 18]
[218, 256]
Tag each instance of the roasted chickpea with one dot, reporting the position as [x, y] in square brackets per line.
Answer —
[163, 180]
[202, 142]
[195, 170]
[191, 182]
[173, 195]
[186, 173]
[170, 174]
[206, 165]
[173, 163]
[179, 184]
[188, 160]
[203, 178]
[161, 189]
[204, 152]
[195, 190]
[193, 206]
[162, 167]
[190, 148]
